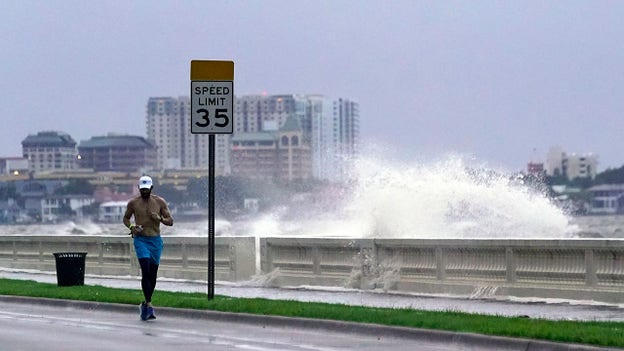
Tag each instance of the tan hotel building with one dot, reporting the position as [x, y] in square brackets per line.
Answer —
[280, 155]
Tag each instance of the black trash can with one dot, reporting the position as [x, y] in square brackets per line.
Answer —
[70, 268]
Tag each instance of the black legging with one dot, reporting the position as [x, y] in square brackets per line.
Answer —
[149, 269]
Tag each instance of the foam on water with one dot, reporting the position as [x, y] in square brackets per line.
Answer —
[448, 199]
[441, 199]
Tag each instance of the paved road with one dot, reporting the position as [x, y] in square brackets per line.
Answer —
[28, 327]
[28, 324]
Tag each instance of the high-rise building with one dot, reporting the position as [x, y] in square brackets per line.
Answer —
[255, 113]
[49, 151]
[168, 124]
[335, 136]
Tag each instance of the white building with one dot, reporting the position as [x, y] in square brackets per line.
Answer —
[55, 207]
[112, 211]
[168, 122]
[13, 166]
[335, 136]
[607, 199]
[572, 166]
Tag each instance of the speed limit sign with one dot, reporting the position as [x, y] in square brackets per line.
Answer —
[212, 97]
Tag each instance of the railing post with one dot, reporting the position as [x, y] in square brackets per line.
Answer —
[316, 260]
[591, 279]
[233, 276]
[510, 264]
[184, 256]
[134, 263]
[266, 261]
[440, 263]
[101, 253]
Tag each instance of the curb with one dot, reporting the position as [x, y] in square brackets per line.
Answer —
[430, 335]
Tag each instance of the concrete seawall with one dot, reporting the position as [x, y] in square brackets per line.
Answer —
[567, 269]
[579, 269]
[183, 258]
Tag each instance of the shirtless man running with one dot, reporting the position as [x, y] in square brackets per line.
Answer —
[149, 211]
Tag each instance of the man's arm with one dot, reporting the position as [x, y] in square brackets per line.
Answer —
[165, 215]
[134, 229]
[128, 215]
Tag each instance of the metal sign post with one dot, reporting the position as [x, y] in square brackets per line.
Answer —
[212, 112]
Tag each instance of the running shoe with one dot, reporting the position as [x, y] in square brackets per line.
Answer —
[144, 311]
[150, 313]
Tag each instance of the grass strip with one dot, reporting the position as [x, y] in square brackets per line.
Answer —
[584, 332]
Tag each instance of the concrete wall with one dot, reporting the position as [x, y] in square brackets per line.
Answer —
[580, 269]
[567, 269]
[183, 258]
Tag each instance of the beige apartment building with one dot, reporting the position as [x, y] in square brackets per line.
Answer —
[49, 151]
[272, 155]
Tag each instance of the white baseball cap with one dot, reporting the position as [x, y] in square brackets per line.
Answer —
[145, 182]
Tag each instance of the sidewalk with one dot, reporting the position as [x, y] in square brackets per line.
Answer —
[546, 309]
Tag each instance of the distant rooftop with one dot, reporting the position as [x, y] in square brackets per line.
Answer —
[116, 141]
[607, 187]
[257, 136]
[292, 124]
[49, 139]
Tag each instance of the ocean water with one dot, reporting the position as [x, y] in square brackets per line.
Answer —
[271, 226]
[611, 226]
[447, 198]
[86, 227]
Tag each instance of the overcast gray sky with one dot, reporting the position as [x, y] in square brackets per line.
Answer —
[493, 80]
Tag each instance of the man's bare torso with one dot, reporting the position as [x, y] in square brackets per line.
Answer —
[142, 209]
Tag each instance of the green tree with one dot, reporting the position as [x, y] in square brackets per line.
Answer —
[92, 209]
[171, 194]
[65, 210]
[8, 191]
[76, 187]
[583, 183]
[610, 176]
[231, 191]
[229, 194]
[197, 191]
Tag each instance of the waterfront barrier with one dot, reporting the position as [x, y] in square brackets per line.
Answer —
[183, 258]
[575, 269]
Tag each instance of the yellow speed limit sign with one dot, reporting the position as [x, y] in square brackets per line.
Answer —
[212, 97]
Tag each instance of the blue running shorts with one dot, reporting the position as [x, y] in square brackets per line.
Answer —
[148, 247]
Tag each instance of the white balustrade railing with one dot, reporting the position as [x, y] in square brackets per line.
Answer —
[576, 269]
[182, 258]
[567, 269]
